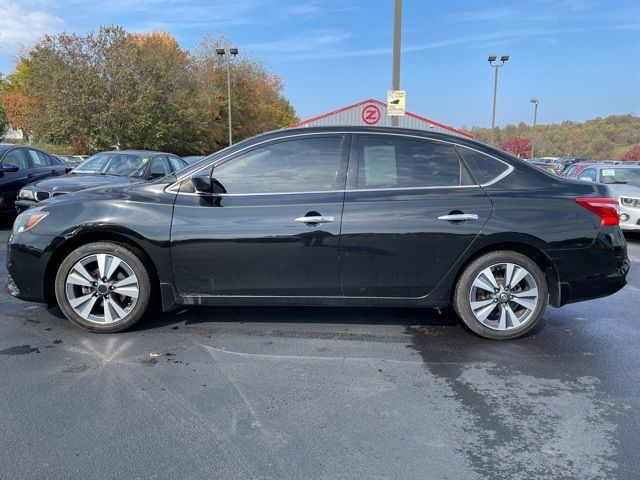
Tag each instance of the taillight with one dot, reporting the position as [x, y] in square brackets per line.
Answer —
[605, 208]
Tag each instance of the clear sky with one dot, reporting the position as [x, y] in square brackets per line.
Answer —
[580, 58]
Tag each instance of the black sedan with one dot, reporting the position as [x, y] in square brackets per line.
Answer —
[105, 168]
[21, 164]
[328, 216]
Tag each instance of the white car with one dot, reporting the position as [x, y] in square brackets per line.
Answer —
[624, 183]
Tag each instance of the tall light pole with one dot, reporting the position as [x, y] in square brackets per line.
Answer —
[535, 119]
[496, 66]
[232, 51]
[397, 35]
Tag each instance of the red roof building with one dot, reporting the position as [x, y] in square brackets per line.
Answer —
[374, 113]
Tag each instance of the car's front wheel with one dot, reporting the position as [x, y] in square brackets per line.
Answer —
[103, 287]
[501, 295]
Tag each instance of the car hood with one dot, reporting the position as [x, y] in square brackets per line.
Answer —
[75, 182]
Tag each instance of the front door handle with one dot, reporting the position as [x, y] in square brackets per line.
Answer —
[314, 219]
[459, 217]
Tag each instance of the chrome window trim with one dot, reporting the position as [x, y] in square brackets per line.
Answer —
[329, 191]
[174, 187]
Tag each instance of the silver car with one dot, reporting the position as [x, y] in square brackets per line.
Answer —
[624, 182]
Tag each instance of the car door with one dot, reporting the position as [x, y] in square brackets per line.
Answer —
[12, 182]
[403, 223]
[57, 166]
[252, 237]
[41, 168]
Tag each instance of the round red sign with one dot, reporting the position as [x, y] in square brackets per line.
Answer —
[370, 114]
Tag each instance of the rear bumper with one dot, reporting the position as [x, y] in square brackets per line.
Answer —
[594, 272]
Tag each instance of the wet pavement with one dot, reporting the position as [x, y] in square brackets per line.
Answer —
[293, 393]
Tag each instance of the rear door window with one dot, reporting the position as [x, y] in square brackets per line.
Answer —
[37, 158]
[176, 163]
[395, 162]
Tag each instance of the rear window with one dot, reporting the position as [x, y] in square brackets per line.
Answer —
[484, 167]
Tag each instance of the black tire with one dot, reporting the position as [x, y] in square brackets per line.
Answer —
[132, 260]
[462, 294]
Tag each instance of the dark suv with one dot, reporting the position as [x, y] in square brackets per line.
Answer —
[328, 216]
[22, 164]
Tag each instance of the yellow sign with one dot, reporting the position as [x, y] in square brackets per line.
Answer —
[395, 102]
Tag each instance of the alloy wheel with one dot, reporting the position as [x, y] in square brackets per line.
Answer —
[102, 288]
[504, 296]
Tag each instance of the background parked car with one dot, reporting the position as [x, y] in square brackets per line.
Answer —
[21, 164]
[547, 167]
[73, 160]
[564, 162]
[105, 168]
[191, 159]
[624, 182]
[572, 171]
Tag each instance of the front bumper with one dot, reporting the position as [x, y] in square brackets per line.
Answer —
[27, 259]
[629, 218]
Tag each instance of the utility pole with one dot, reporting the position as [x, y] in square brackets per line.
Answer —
[232, 51]
[503, 59]
[535, 118]
[397, 35]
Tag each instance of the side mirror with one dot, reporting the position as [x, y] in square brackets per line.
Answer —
[9, 168]
[202, 183]
[587, 179]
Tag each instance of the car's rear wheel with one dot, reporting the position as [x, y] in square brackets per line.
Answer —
[501, 295]
[103, 287]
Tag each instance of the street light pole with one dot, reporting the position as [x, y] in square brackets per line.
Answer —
[535, 118]
[232, 51]
[503, 59]
[395, 71]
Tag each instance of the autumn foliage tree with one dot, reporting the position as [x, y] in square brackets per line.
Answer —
[599, 139]
[518, 146]
[632, 154]
[114, 89]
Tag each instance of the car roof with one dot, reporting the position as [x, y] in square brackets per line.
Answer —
[446, 137]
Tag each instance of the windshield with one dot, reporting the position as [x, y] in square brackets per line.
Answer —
[124, 164]
[627, 176]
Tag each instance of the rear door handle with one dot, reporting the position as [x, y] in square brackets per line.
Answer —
[314, 219]
[459, 217]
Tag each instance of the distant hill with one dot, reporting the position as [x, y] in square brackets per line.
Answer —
[598, 139]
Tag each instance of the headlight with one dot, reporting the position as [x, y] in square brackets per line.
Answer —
[25, 193]
[629, 202]
[27, 220]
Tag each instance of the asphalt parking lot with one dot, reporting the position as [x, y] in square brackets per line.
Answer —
[293, 393]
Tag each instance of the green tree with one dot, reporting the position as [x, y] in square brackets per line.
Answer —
[113, 89]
